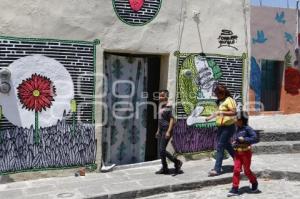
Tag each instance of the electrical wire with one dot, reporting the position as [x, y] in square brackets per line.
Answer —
[247, 70]
[181, 25]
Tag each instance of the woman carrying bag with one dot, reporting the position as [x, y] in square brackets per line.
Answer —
[225, 121]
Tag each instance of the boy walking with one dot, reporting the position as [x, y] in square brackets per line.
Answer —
[165, 130]
[243, 154]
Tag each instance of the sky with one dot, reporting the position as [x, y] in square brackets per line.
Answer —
[275, 3]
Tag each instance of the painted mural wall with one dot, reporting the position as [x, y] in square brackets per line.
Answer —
[47, 117]
[138, 27]
[197, 75]
[273, 35]
[173, 28]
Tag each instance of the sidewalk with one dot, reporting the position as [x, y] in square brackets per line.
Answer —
[139, 182]
[276, 123]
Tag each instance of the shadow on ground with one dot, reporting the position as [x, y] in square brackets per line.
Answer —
[6, 179]
[227, 169]
[172, 172]
[247, 190]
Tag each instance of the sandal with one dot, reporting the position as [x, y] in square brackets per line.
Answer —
[213, 173]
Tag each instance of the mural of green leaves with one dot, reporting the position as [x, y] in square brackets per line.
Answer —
[288, 59]
[144, 118]
[188, 89]
[114, 134]
[121, 151]
[126, 135]
[117, 69]
[134, 136]
[215, 68]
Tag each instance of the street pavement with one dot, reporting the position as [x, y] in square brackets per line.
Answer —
[269, 189]
[142, 182]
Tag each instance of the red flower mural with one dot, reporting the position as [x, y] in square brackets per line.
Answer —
[36, 93]
[136, 5]
[292, 81]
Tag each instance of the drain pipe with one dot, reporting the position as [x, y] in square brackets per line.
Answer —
[297, 9]
[297, 36]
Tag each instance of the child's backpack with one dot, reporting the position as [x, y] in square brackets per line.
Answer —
[257, 136]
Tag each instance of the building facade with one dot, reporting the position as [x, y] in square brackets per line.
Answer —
[275, 76]
[85, 76]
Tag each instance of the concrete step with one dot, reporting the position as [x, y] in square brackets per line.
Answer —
[272, 136]
[142, 182]
[277, 147]
[137, 165]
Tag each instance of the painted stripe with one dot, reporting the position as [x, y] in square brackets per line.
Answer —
[222, 120]
[231, 102]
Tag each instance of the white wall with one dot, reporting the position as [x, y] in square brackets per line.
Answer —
[91, 19]
[87, 20]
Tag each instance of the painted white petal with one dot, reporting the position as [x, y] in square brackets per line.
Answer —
[22, 69]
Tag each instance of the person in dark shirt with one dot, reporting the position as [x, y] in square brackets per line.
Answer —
[245, 137]
[166, 123]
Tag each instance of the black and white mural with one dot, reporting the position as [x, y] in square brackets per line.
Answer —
[47, 115]
[137, 12]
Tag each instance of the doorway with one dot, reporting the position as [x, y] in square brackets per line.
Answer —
[131, 82]
[151, 152]
[271, 83]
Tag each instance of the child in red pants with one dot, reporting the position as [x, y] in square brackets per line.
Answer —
[242, 157]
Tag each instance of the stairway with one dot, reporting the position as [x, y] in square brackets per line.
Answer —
[277, 142]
